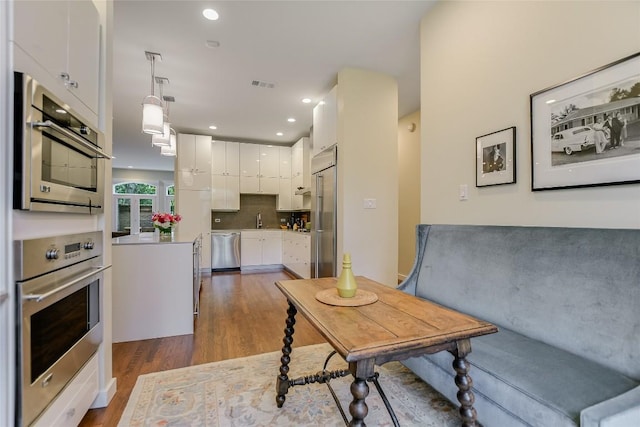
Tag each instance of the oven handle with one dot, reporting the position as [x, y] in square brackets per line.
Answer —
[71, 135]
[41, 297]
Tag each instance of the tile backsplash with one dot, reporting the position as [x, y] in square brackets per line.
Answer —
[250, 206]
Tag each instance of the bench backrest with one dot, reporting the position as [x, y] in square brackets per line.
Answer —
[574, 288]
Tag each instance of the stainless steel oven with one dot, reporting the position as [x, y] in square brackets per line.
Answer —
[59, 157]
[59, 288]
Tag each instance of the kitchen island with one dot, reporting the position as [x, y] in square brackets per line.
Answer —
[154, 289]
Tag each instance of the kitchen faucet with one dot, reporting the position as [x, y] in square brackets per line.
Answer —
[259, 221]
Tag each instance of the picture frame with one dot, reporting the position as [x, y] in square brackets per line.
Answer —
[495, 158]
[586, 132]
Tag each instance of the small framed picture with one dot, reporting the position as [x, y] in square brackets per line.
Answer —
[586, 132]
[495, 158]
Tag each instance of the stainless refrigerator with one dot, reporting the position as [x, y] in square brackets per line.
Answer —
[323, 212]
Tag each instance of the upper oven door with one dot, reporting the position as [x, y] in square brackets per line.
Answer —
[62, 156]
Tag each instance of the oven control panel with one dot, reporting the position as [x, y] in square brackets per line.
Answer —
[39, 256]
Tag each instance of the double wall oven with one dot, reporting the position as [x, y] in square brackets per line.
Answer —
[59, 156]
[59, 288]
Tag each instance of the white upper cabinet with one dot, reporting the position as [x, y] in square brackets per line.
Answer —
[225, 158]
[285, 162]
[61, 40]
[325, 122]
[225, 176]
[259, 169]
[193, 164]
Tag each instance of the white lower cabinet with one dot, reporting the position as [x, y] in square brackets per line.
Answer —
[260, 249]
[75, 400]
[296, 253]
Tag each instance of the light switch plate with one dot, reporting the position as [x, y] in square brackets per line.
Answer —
[369, 203]
[464, 192]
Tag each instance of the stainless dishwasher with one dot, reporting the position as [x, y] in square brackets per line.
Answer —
[225, 250]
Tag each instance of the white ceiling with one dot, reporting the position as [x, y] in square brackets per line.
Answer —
[299, 46]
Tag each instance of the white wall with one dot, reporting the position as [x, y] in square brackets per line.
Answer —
[368, 169]
[480, 61]
[408, 190]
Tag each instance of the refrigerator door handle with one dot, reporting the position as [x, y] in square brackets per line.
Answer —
[319, 201]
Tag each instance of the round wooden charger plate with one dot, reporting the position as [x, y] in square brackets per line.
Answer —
[331, 297]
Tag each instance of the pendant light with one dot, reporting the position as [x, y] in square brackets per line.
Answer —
[152, 111]
[162, 139]
[170, 150]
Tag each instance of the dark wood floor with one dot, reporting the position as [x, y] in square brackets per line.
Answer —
[240, 315]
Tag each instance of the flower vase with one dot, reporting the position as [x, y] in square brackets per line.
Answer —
[165, 234]
[347, 285]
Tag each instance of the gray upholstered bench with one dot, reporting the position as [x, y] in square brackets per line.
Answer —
[567, 303]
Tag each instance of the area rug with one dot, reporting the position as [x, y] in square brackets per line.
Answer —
[241, 392]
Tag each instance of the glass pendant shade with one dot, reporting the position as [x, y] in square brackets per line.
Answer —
[170, 150]
[152, 115]
[162, 139]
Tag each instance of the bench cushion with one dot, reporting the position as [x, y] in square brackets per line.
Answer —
[540, 385]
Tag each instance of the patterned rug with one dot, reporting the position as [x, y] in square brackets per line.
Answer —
[241, 392]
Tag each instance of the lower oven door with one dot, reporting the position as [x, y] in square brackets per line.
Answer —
[60, 324]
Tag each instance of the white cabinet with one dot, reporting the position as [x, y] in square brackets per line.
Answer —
[300, 174]
[225, 193]
[60, 41]
[225, 176]
[284, 184]
[325, 122]
[259, 169]
[74, 401]
[260, 249]
[193, 163]
[296, 253]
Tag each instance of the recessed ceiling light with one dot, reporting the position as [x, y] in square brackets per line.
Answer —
[213, 127]
[306, 100]
[279, 134]
[210, 14]
[291, 120]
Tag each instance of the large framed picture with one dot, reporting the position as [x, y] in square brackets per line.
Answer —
[495, 158]
[586, 132]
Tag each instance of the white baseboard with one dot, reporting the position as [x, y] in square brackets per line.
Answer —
[105, 395]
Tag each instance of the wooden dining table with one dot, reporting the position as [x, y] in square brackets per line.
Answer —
[394, 327]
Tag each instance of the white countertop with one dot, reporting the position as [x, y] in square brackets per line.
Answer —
[148, 239]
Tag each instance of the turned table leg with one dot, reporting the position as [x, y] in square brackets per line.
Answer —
[282, 383]
[464, 383]
[358, 407]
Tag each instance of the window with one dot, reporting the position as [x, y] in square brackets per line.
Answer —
[134, 204]
[169, 198]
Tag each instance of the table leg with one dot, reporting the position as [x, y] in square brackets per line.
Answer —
[464, 383]
[282, 383]
[358, 407]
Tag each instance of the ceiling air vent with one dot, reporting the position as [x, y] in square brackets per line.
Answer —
[259, 83]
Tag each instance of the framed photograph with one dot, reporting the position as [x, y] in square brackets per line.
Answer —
[586, 132]
[495, 158]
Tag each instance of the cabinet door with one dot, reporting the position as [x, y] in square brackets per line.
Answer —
[296, 200]
[272, 247]
[250, 249]
[330, 117]
[233, 192]
[218, 157]
[218, 192]
[41, 30]
[285, 162]
[233, 158]
[249, 185]
[269, 185]
[184, 175]
[269, 161]
[249, 160]
[296, 159]
[202, 154]
[284, 195]
[84, 52]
